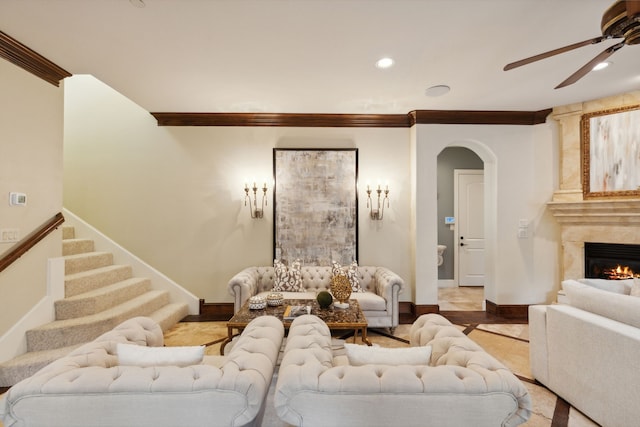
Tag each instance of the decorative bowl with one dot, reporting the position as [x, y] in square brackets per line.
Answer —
[275, 298]
[257, 303]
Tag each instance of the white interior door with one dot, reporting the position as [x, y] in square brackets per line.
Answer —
[469, 185]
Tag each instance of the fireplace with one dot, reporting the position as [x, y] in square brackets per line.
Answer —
[606, 221]
[611, 260]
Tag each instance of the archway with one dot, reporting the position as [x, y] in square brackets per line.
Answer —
[466, 158]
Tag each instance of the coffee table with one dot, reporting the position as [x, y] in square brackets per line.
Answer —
[350, 318]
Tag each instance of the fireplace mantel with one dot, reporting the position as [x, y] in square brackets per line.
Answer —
[605, 221]
[616, 212]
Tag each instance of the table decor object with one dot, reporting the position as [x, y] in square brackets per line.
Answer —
[257, 303]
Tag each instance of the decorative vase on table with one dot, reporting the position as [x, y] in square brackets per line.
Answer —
[341, 290]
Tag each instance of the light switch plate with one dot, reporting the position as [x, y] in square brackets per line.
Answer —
[8, 235]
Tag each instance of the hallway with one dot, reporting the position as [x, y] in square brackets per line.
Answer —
[463, 298]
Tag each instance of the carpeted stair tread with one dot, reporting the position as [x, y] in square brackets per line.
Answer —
[14, 370]
[62, 333]
[87, 261]
[101, 299]
[68, 232]
[77, 246]
[98, 297]
[86, 281]
[170, 314]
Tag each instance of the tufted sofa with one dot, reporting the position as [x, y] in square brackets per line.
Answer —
[461, 386]
[89, 388]
[586, 350]
[379, 303]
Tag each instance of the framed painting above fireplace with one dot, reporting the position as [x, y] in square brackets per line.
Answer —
[315, 212]
[611, 153]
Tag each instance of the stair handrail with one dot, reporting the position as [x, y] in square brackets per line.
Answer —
[31, 240]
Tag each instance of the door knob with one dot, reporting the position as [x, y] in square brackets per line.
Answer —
[461, 244]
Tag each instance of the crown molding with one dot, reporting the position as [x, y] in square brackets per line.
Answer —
[282, 119]
[473, 117]
[354, 120]
[20, 55]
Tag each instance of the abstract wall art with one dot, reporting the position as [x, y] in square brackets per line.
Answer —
[315, 205]
[611, 153]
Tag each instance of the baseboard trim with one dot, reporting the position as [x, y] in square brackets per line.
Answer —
[211, 312]
[408, 311]
[513, 311]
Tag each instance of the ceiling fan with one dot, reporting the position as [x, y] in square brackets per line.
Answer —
[621, 20]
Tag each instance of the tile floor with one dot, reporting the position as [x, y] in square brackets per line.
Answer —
[466, 298]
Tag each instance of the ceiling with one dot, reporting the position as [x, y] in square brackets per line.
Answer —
[318, 56]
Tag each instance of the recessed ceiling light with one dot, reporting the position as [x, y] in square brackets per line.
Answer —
[601, 65]
[384, 63]
[437, 90]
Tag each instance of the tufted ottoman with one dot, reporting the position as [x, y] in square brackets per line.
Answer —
[461, 385]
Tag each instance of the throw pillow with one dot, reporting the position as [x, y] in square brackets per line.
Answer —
[287, 279]
[351, 271]
[365, 355]
[143, 356]
[635, 289]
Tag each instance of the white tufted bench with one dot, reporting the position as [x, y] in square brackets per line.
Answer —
[88, 387]
[461, 386]
[379, 303]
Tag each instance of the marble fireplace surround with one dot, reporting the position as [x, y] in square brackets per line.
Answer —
[606, 220]
[602, 221]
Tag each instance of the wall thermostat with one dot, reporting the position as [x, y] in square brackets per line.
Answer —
[449, 220]
[17, 199]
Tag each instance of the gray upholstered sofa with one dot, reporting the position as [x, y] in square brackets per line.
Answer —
[586, 351]
[89, 388]
[379, 303]
[461, 385]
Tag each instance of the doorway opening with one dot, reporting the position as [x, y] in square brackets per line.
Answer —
[460, 201]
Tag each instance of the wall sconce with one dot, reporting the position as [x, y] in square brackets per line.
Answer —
[377, 214]
[256, 212]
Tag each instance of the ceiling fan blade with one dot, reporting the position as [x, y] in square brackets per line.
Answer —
[589, 65]
[553, 52]
[633, 8]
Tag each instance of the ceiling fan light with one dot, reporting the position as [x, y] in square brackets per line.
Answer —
[601, 66]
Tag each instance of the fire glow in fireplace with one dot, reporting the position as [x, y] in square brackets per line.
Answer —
[611, 260]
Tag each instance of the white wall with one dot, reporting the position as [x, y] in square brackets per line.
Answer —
[521, 164]
[174, 195]
[31, 115]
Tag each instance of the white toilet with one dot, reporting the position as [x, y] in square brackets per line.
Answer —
[441, 249]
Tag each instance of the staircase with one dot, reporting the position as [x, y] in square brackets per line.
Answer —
[99, 295]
